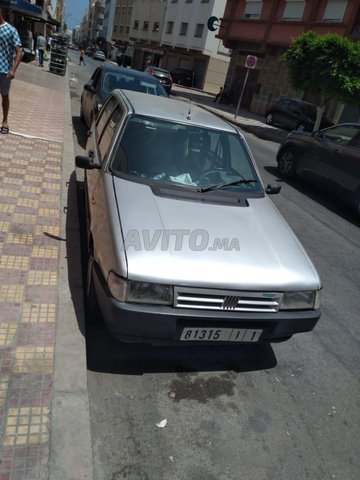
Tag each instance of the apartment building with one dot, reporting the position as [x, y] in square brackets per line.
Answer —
[147, 23]
[265, 29]
[188, 43]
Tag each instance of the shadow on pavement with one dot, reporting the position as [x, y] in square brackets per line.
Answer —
[80, 130]
[73, 251]
[106, 354]
[322, 197]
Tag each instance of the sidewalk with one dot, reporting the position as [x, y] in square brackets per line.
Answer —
[45, 430]
[248, 121]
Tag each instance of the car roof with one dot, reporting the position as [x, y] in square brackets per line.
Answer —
[297, 100]
[158, 68]
[173, 110]
[109, 67]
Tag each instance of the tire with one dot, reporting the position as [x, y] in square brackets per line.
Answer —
[92, 310]
[82, 117]
[287, 163]
[269, 118]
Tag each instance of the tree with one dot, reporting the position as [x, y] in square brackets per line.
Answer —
[326, 66]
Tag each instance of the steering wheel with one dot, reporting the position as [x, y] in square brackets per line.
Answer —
[217, 171]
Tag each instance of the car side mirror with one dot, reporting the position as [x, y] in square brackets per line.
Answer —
[273, 189]
[86, 162]
[89, 88]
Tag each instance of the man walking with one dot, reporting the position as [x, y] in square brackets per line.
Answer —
[82, 55]
[9, 43]
[41, 45]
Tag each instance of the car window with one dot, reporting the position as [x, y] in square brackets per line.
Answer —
[124, 81]
[104, 116]
[95, 79]
[283, 104]
[182, 154]
[347, 134]
[109, 131]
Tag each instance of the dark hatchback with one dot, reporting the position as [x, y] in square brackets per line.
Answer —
[107, 78]
[163, 76]
[294, 114]
[328, 158]
[183, 76]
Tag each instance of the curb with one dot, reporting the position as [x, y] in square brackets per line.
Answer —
[70, 434]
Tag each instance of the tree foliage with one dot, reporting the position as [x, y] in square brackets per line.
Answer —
[326, 66]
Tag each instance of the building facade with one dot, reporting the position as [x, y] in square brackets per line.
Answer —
[188, 43]
[265, 29]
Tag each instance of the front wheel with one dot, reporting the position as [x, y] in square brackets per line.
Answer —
[270, 118]
[287, 164]
[92, 310]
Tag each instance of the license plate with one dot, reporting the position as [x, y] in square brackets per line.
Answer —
[221, 334]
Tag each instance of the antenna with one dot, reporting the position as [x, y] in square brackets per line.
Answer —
[189, 112]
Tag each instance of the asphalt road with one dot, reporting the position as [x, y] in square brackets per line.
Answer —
[286, 411]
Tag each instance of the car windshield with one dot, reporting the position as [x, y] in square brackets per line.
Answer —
[126, 81]
[184, 155]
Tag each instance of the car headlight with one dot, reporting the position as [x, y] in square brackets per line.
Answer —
[301, 300]
[139, 292]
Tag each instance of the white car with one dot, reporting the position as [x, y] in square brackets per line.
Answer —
[99, 55]
[184, 245]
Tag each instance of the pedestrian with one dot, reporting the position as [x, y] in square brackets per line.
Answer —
[219, 94]
[82, 57]
[41, 45]
[9, 44]
[49, 40]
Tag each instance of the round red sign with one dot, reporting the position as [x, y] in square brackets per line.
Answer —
[250, 61]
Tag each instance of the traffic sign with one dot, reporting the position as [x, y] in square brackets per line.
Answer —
[250, 61]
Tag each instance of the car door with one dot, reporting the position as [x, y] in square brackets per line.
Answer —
[281, 112]
[333, 162]
[343, 163]
[99, 183]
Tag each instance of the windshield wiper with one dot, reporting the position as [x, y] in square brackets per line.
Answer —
[226, 184]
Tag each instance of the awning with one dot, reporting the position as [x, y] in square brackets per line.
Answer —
[23, 7]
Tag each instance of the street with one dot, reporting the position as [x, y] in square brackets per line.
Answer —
[280, 411]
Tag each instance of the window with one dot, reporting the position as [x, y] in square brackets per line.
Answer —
[104, 116]
[204, 1]
[127, 29]
[174, 1]
[170, 27]
[108, 133]
[199, 30]
[115, 28]
[252, 9]
[146, 26]
[183, 29]
[188, 1]
[156, 27]
[136, 24]
[335, 10]
[129, 11]
[294, 10]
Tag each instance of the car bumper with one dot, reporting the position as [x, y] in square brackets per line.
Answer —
[161, 325]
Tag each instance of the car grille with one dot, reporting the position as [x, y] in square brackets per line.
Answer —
[226, 300]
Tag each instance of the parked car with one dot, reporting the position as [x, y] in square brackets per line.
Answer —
[329, 158]
[99, 55]
[185, 246]
[90, 51]
[163, 76]
[108, 77]
[294, 114]
[183, 76]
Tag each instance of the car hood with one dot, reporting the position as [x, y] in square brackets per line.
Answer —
[262, 252]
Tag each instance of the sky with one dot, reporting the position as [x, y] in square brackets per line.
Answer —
[74, 12]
